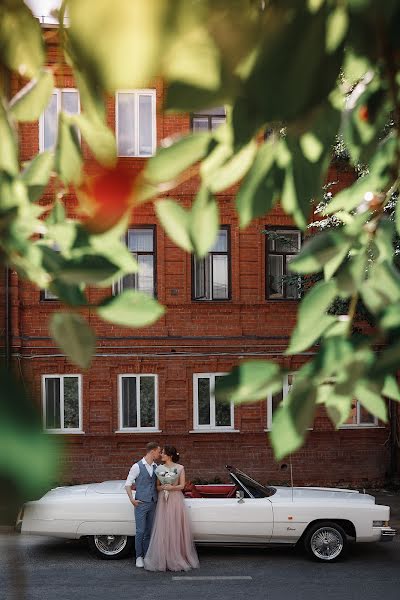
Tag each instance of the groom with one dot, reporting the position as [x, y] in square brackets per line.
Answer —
[143, 475]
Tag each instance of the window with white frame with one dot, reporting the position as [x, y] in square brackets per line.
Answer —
[211, 273]
[141, 243]
[274, 400]
[136, 122]
[282, 246]
[62, 99]
[208, 120]
[360, 417]
[208, 412]
[138, 402]
[62, 403]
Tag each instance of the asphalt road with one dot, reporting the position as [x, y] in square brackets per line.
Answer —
[64, 570]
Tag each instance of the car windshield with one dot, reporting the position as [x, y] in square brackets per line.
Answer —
[250, 487]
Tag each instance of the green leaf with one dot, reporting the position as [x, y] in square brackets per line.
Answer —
[8, 146]
[250, 381]
[31, 101]
[293, 418]
[89, 268]
[176, 222]
[233, 170]
[68, 157]
[74, 336]
[391, 388]
[169, 162]
[337, 25]
[129, 28]
[368, 394]
[37, 173]
[318, 251]
[21, 45]
[391, 317]
[258, 192]
[388, 361]
[131, 309]
[98, 137]
[352, 274]
[70, 294]
[312, 320]
[204, 222]
[382, 288]
[115, 250]
[337, 406]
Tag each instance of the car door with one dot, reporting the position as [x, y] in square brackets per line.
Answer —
[228, 520]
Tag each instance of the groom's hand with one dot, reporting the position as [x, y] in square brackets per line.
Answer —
[136, 502]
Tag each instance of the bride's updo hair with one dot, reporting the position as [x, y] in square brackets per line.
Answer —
[172, 453]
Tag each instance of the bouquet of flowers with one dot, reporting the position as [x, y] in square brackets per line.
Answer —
[165, 476]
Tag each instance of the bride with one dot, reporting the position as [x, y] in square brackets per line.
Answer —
[171, 543]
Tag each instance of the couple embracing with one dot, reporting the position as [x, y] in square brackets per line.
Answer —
[163, 539]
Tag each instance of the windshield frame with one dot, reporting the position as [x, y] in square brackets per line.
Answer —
[236, 475]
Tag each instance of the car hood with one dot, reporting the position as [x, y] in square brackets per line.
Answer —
[317, 493]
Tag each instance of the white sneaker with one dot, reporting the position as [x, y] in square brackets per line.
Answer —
[140, 562]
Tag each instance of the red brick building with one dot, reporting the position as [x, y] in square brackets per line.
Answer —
[156, 383]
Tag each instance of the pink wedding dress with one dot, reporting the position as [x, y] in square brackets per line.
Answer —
[171, 544]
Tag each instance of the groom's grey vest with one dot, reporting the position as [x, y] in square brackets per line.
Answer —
[146, 485]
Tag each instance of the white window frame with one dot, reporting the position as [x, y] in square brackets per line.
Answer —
[137, 93]
[118, 286]
[63, 430]
[212, 426]
[59, 92]
[285, 389]
[121, 428]
[358, 424]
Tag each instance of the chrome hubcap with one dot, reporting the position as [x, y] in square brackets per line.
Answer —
[110, 544]
[326, 543]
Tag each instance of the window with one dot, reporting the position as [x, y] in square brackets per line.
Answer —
[359, 417]
[67, 100]
[208, 120]
[62, 403]
[136, 122]
[210, 413]
[141, 242]
[138, 402]
[274, 400]
[282, 246]
[211, 273]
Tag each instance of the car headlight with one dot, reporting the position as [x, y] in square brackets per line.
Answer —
[380, 523]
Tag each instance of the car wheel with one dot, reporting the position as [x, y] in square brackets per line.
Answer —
[326, 542]
[111, 547]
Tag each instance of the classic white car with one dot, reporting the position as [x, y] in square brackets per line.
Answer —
[242, 513]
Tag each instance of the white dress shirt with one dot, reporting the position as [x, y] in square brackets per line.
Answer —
[134, 471]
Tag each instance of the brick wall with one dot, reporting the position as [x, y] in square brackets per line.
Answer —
[192, 337]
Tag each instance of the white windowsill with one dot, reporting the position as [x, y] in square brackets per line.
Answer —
[308, 429]
[372, 426]
[141, 430]
[219, 430]
[64, 431]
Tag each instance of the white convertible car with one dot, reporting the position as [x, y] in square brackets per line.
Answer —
[242, 513]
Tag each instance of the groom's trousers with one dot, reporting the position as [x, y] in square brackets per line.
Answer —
[144, 517]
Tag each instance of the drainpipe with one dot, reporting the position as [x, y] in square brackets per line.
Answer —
[7, 318]
[393, 460]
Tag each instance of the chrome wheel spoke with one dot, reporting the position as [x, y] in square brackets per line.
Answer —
[110, 544]
[326, 543]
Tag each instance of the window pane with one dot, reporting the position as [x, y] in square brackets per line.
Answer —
[275, 274]
[147, 402]
[203, 400]
[200, 278]
[222, 410]
[292, 281]
[53, 414]
[129, 406]
[200, 124]
[126, 124]
[50, 123]
[145, 126]
[70, 102]
[129, 282]
[288, 241]
[140, 240]
[71, 402]
[49, 295]
[145, 277]
[216, 122]
[220, 277]
[365, 417]
[221, 243]
[217, 111]
[352, 420]
[276, 401]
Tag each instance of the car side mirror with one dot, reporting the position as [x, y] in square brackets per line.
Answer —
[240, 496]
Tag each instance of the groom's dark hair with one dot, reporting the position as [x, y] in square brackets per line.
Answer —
[152, 446]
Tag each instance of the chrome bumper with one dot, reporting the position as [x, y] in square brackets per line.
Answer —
[387, 534]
